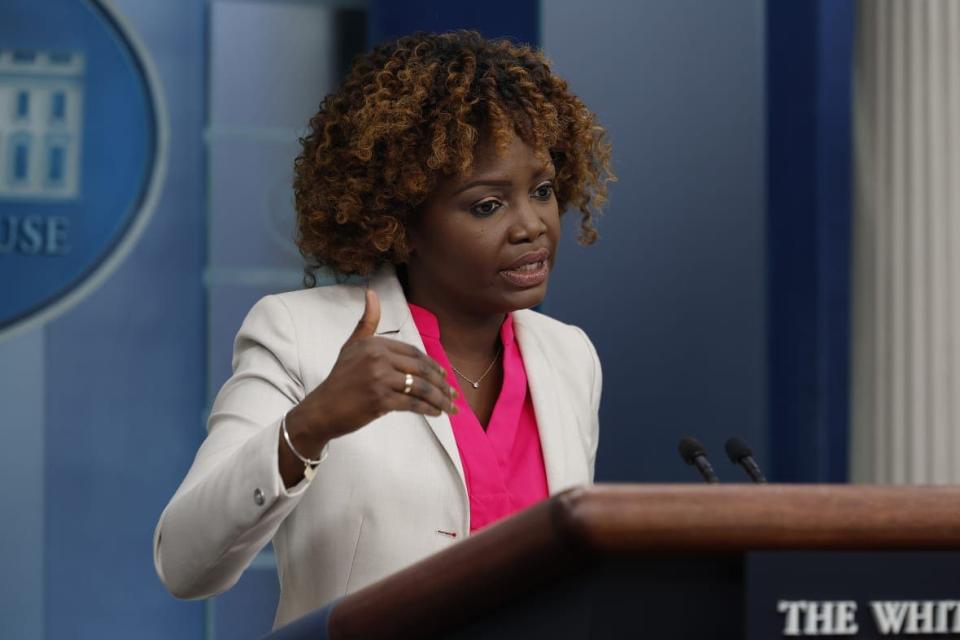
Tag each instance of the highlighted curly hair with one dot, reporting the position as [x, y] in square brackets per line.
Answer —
[411, 112]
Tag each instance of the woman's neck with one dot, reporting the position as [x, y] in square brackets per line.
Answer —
[467, 337]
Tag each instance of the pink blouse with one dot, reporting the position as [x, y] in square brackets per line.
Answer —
[503, 465]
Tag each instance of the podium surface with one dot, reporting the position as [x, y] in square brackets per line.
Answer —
[655, 561]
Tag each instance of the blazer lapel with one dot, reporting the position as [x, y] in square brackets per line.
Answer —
[396, 322]
[547, 403]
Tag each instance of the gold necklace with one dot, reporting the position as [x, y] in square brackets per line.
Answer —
[476, 383]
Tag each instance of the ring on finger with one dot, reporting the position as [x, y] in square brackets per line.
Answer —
[408, 384]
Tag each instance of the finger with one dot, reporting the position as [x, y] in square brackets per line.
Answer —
[400, 402]
[410, 351]
[367, 326]
[424, 369]
[423, 391]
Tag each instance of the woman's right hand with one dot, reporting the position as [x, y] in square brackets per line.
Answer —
[366, 382]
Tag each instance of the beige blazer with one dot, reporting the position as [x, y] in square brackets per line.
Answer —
[383, 494]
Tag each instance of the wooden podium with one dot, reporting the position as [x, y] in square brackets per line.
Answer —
[651, 561]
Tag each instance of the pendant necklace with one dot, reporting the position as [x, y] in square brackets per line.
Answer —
[476, 383]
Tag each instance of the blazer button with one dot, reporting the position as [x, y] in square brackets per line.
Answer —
[258, 497]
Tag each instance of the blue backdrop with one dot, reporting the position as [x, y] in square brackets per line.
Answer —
[101, 407]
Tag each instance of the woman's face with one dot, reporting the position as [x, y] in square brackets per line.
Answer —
[486, 242]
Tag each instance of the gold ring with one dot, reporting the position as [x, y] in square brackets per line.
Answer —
[408, 384]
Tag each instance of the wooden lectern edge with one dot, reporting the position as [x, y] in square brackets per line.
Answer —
[642, 518]
[561, 534]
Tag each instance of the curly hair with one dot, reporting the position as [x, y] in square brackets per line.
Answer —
[412, 111]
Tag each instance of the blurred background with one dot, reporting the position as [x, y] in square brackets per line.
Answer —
[778, 260]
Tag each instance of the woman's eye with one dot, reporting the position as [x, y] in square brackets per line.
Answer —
[485, 208]
[544, 191]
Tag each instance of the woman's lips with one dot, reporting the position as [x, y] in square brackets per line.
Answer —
[528, 275]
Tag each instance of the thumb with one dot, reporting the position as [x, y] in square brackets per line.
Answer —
[370, 318]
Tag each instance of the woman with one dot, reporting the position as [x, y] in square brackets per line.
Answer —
[369, 425]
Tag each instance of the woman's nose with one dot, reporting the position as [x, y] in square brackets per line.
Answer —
[528, 225]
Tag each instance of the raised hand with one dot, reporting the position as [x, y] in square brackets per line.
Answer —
[369, 379]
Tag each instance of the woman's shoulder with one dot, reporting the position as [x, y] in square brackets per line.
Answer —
[558, 337]
[325, 310]
[325, 298]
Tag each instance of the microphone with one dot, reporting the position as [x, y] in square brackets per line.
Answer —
[694, 454]
[741, 455]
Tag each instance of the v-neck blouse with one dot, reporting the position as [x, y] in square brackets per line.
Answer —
[502, 465]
